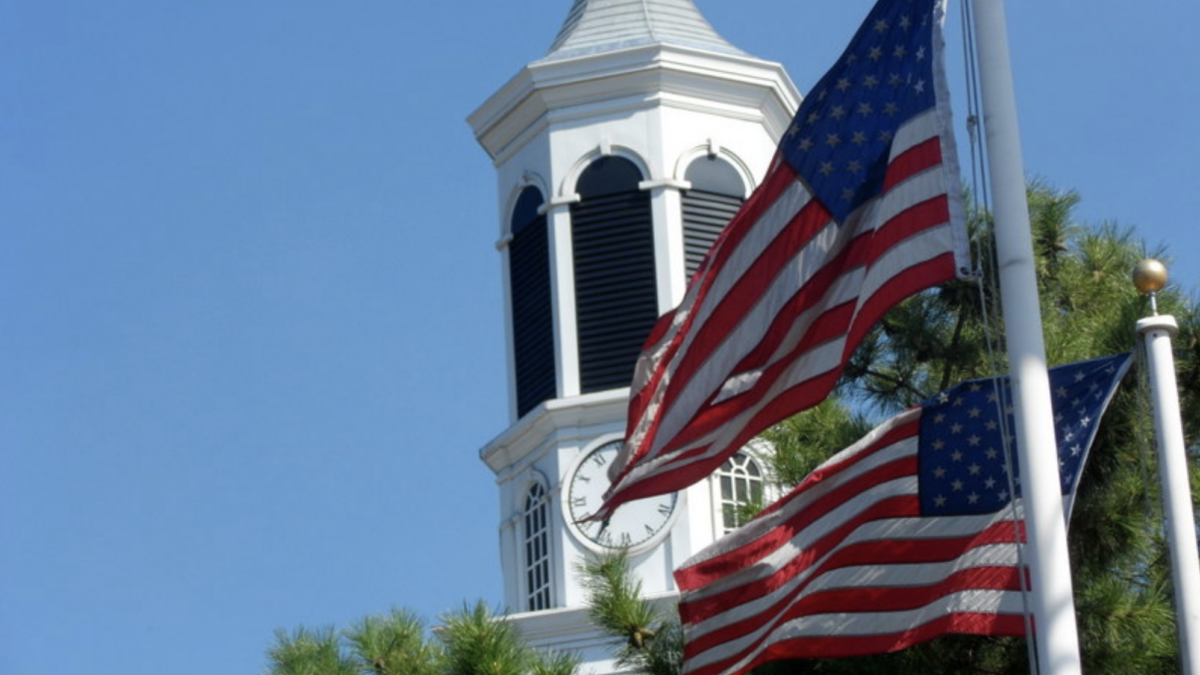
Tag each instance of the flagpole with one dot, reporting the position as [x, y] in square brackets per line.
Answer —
[1180, 523]
[1051, 592]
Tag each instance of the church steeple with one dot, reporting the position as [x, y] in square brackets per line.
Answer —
[645, 87]
[595, 26]
[620, 157]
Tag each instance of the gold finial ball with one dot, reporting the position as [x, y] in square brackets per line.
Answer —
[1150, 276]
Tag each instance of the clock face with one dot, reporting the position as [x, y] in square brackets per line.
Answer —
[632, 524]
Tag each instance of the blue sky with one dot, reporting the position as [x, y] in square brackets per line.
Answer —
[250, 312]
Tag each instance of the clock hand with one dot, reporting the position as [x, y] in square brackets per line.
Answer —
[603, 526]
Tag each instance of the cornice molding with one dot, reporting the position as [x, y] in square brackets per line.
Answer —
[620, 82]
[559, 419]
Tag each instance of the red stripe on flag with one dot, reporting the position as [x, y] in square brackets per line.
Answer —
[861, 251]
[833, 556]
[711, 569]
[695, 611]
[899, 287]
[838, 321]
[912, 161]
[749, 289]
[777, 183]
[866, 600]
[972, 623]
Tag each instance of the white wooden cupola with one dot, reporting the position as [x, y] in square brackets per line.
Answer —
[620, 155]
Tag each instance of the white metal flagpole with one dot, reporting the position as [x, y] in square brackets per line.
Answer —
[1052, 599]
[1156, 331]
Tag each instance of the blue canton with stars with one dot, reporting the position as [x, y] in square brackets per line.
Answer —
[962, 467]
[842, 134]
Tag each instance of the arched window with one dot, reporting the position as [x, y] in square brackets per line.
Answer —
[537, 548]
[716, 194]
[740, 480]
[532, 312]
[616, 298]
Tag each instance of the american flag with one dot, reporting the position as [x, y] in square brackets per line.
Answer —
[908, 534]
[860, 209]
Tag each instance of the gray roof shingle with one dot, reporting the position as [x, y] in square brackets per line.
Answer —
[595, 26]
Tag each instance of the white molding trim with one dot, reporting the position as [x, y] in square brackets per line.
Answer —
[566, 415]
[612, 83]
[571, 178]
[739, 165]
[665, 184]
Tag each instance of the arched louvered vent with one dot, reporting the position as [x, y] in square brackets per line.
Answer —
[615, 291]
[532, 312]
[716, 194]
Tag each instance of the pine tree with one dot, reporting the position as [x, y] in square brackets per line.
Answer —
[471, 641]
[651, 641]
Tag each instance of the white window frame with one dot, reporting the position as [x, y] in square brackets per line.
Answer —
[756, 451]
[536, 554]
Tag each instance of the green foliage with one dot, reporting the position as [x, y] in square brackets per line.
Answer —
[478, 645]
[393, 645]
[471, 641]
[478, 642]
[615, 599]
[1126, 625]
[554, 663]
[803, 441]
[309, 652]
[651, 644]
[664, 654]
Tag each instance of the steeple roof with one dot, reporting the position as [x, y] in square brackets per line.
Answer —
[595, 26]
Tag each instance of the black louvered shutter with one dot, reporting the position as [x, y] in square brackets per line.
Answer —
[716, 195]
[532, 313]
[705, 214]
[615, 289]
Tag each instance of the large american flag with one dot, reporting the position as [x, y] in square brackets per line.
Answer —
[860, 209]
[908, 534]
